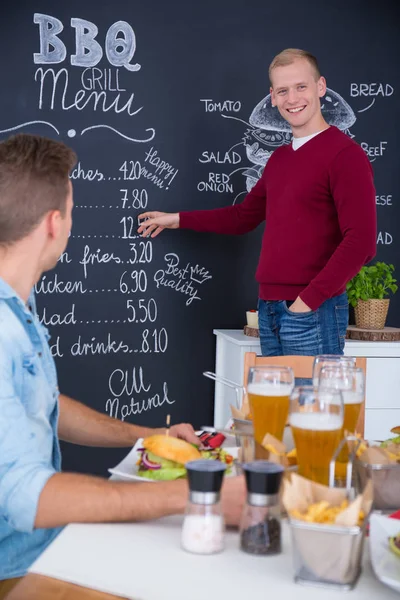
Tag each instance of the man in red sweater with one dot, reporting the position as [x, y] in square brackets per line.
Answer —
[317, 198]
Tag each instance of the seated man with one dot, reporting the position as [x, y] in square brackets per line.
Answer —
[36, 499]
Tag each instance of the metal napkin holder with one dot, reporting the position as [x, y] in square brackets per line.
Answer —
[239, 389]
[329, 555]
[243, 428]
[385, 481]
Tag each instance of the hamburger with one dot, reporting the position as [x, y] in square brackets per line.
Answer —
[392, 445]
[163, 458]
[395, 440]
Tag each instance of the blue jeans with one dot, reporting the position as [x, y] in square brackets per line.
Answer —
[320, 331]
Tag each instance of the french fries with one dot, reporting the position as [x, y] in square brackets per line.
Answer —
[292, 457]
[323, 512]
[273, 450]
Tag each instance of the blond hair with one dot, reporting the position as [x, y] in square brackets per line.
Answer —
[34, 179]
[288, 56]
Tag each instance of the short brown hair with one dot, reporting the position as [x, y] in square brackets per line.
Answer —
[34, 175]
[288, 56]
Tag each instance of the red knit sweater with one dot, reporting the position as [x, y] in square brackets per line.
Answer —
[319, 206]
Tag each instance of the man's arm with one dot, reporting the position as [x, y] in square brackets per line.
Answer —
[82, 425]
[353, 191]
[71, 498]
[235, 220]
[33, 494]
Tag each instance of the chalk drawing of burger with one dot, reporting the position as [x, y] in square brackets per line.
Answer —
[269, 130]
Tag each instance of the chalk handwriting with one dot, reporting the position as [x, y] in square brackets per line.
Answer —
[142, 311]
[102, 89]
[371, 89]
[136, 407]
[132, 170]
[385, 200]
[232, 158]
[55, 349]
[217, 182]
[184, 280]
[139, 200]
[374, 152]
[82, 99]
[97, 257]
[95, 347]
[86, 175]
[163, 168]
[53, 286]
[64, 258]
[127, 382]
[119, 49]
[384, 238]
[56, 319]
[225, 106]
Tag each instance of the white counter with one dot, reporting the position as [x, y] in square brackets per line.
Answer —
[144, 561]
[382, 386]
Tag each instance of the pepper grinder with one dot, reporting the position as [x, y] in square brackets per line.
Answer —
[260, 527]
[203, 525]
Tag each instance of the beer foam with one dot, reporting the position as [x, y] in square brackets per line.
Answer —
[316, 421]
[351, 397]
[266, 388]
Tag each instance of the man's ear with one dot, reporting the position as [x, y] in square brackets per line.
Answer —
[273, 99]
[321, 87]
[53, 219]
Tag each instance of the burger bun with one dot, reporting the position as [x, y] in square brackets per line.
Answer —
[171, 448]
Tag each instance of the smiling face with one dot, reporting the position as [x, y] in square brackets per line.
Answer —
[296, 93]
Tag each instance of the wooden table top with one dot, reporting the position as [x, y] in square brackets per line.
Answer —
[38, 587]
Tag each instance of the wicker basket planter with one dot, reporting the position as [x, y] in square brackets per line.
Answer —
[371, 314]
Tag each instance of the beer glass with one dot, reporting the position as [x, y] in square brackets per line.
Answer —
[351, 382]
[268, 391]
[330, 360]
[316, 419]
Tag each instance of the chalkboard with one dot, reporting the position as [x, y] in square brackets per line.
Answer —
[166, 105]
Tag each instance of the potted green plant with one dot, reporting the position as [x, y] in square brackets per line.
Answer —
[367, 291]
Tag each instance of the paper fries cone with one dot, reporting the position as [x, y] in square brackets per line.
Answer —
[270, 440]
[296, 493]
[393, 451]
[245, 408]
[350, 516]
[303, 492]
[327, 553]
[237, 414]
[276, 449]
[376, 456]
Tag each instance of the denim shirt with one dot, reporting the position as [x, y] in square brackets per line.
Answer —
[29, 449]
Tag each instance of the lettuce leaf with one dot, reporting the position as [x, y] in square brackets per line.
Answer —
[164, 474]
[395, 440]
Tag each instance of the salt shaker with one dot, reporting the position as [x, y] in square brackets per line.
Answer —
[203, 525]
[260, 527]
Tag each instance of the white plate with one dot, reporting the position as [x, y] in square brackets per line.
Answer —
[385, 563]
[128, 469]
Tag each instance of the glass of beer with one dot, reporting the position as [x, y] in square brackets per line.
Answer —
[268, 390]
[351, 382]
[330, 360]
[316, 419]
